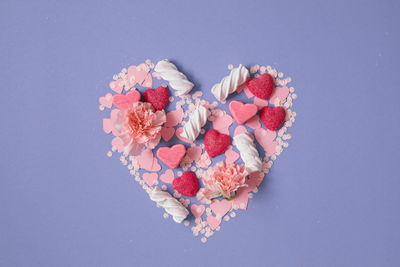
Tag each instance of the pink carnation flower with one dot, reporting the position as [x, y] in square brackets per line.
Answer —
[139, 126]
[222, 180]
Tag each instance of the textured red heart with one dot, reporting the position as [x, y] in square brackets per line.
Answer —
[157, 97]
[125, 101]
[273, 118]
[261, 87]
[172, 156]
[186, 185]
[216, 143]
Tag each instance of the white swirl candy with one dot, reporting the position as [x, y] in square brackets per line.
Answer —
[230, 83]
[197, 119]
[176, 79]
[248, 152]
[170, 204]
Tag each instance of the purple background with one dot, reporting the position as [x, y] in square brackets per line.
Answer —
[331, 198]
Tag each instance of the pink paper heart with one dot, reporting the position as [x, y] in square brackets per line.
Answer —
[118, 143]
[117, 85]
[136, 74]
[241, 198]
[254, 180]
[178, 134]
[122, 101]
[194, 152]
[213, 221]
[167, 133]
[222, 122]
[254, 122]
[150, 178]
[280, 94]
[242, 112]
[174, 117]
[241, 129]
[156, 166]
[241, 87]
[168, 176]
[260, 103]
[197, 210]
[266, 139]
[108, 123]
[231, 156]
[106, 100]
[220, 208]
[145, 159]
[148, 81]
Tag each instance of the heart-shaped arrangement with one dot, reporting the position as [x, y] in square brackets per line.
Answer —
[210, 167]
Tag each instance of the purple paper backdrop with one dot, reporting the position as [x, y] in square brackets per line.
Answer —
[332, 197]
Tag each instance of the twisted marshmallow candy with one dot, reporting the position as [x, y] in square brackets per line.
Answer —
[230, 83]
[170, 204]
[248, 152]
[176, 79]
[197, 119]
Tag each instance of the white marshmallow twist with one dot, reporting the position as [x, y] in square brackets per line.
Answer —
[248, 152]
[170, 204]
[177, 80]
[230, 83]
[197, 119]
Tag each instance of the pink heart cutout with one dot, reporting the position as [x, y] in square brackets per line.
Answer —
[213, 222]
[108, 123]
[145, 159]
[194, 152]
[167, 133]
[118, 143]
[136, 74]
[156, 166]
[241, 198]
[117, 85]
[241, 129]
[168, 176]
[220, 208]
[254, 122]
[106, 100]
[197, 210]
[148, 81]
[231, 156]
[280, 93]
[150, 178]
[260, 103]
[221, 123]
[174, 117]
[266, 139]
[122, 101]
[242, 112]
[247, 92]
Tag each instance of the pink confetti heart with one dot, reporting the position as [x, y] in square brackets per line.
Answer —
[241, 198]
[241, 129]
[242, 112]
[222, 123]
[178, 134]
[254, 180]
[168, 176]
[213, 221]
[197, 210]
[150, 178]
[125, 101]
[156, 166]
[118, 143]
[220, 208]
[174, 117]
[106, 100]
[145, 159]
[167, 133]
[194, 152]
[241, 87]
[117, 85]
[254, 122]
[260, 103]
[266, 139]
[148, 81]
[108, 123]
[280, 94]
[136, 74]
[231, 156]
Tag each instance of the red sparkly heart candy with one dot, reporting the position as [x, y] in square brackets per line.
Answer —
[157, 97]
[273, 118]
[261, 87]
[216, 143]
[186, 185]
